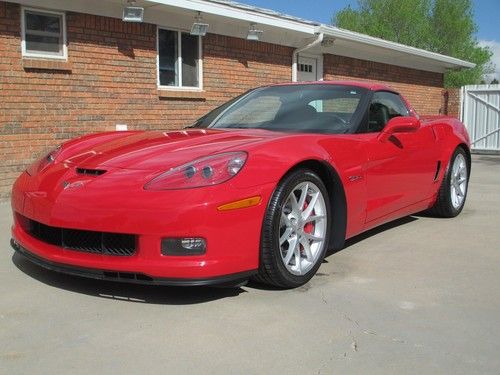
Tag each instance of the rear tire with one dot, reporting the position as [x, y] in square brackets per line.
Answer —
[295, 231]
[453, 191]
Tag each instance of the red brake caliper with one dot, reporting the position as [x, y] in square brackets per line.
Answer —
[309, 227]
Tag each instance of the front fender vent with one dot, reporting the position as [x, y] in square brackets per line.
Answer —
[438, 169]
[90, 172]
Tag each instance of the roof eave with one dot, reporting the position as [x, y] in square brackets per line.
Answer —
[238, 13]
[337, 33]
[286, 30]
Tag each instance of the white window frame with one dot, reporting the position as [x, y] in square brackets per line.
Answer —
[26, 53]
[179, 62]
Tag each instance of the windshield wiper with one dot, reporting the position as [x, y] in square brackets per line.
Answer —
[235, 126]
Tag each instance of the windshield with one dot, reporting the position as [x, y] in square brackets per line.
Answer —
[302, 108]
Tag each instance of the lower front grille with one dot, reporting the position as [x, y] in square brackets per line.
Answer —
[82, 240]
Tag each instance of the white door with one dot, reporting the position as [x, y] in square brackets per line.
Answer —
[481, 115]
[307, 69]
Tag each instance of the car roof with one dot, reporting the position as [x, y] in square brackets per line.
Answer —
[373, 86]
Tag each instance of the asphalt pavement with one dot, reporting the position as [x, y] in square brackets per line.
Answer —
[416, 296]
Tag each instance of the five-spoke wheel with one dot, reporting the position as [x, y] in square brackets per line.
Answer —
[453, 191]
[303, 227]
[295, 230]
[458, 181]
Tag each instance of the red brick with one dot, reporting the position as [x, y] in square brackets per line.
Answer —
[411, 83]
[113, 80]
[452, 102]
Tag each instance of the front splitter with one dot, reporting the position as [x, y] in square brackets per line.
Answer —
[235, 279]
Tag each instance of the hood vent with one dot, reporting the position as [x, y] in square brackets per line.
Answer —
[90, 172]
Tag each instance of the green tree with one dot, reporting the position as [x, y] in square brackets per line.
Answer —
[494, 82]
[442, 26]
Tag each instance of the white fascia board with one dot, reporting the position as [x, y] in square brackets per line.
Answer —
[239, 14]
[114, 9]
[335, 33]
[96, 7]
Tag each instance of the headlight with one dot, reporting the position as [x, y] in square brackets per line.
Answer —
[40, 164]
[207, 171]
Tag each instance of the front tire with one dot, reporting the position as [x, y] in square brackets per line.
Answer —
[295, 230]
[453, 190]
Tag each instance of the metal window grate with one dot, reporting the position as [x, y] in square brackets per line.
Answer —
[106, 243]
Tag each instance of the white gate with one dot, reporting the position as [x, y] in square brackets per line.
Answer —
[480, 112]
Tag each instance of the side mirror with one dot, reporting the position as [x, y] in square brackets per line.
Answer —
[400, 124]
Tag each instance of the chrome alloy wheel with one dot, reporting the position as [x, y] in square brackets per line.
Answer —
[303, 228]
[458, 181]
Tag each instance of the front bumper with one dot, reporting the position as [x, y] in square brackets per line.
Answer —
[136, 278]
[232, 237]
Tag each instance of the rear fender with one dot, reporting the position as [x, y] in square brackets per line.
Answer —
[450, 134]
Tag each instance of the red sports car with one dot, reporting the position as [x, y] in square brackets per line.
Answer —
[258, 188]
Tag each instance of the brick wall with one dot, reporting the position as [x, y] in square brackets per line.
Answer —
[424, 90]
[110, 78]
[452, 102]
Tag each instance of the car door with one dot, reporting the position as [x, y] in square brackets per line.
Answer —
[399, 171]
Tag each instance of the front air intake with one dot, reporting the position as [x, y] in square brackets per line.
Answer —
[87, 241]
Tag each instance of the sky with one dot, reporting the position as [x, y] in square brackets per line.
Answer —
[486, 13]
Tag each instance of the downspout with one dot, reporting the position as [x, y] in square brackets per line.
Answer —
[296, 52]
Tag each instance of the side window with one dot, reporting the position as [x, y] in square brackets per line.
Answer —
[384, 106]
[43, 34]
[179, 59]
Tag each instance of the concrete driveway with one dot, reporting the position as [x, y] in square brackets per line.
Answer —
[420, 295]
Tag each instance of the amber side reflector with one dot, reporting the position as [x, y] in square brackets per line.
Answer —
[243, 203]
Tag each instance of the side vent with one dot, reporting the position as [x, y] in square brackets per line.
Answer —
[438, 169]
[90, 172]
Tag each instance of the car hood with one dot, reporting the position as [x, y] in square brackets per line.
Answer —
[154, 151]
